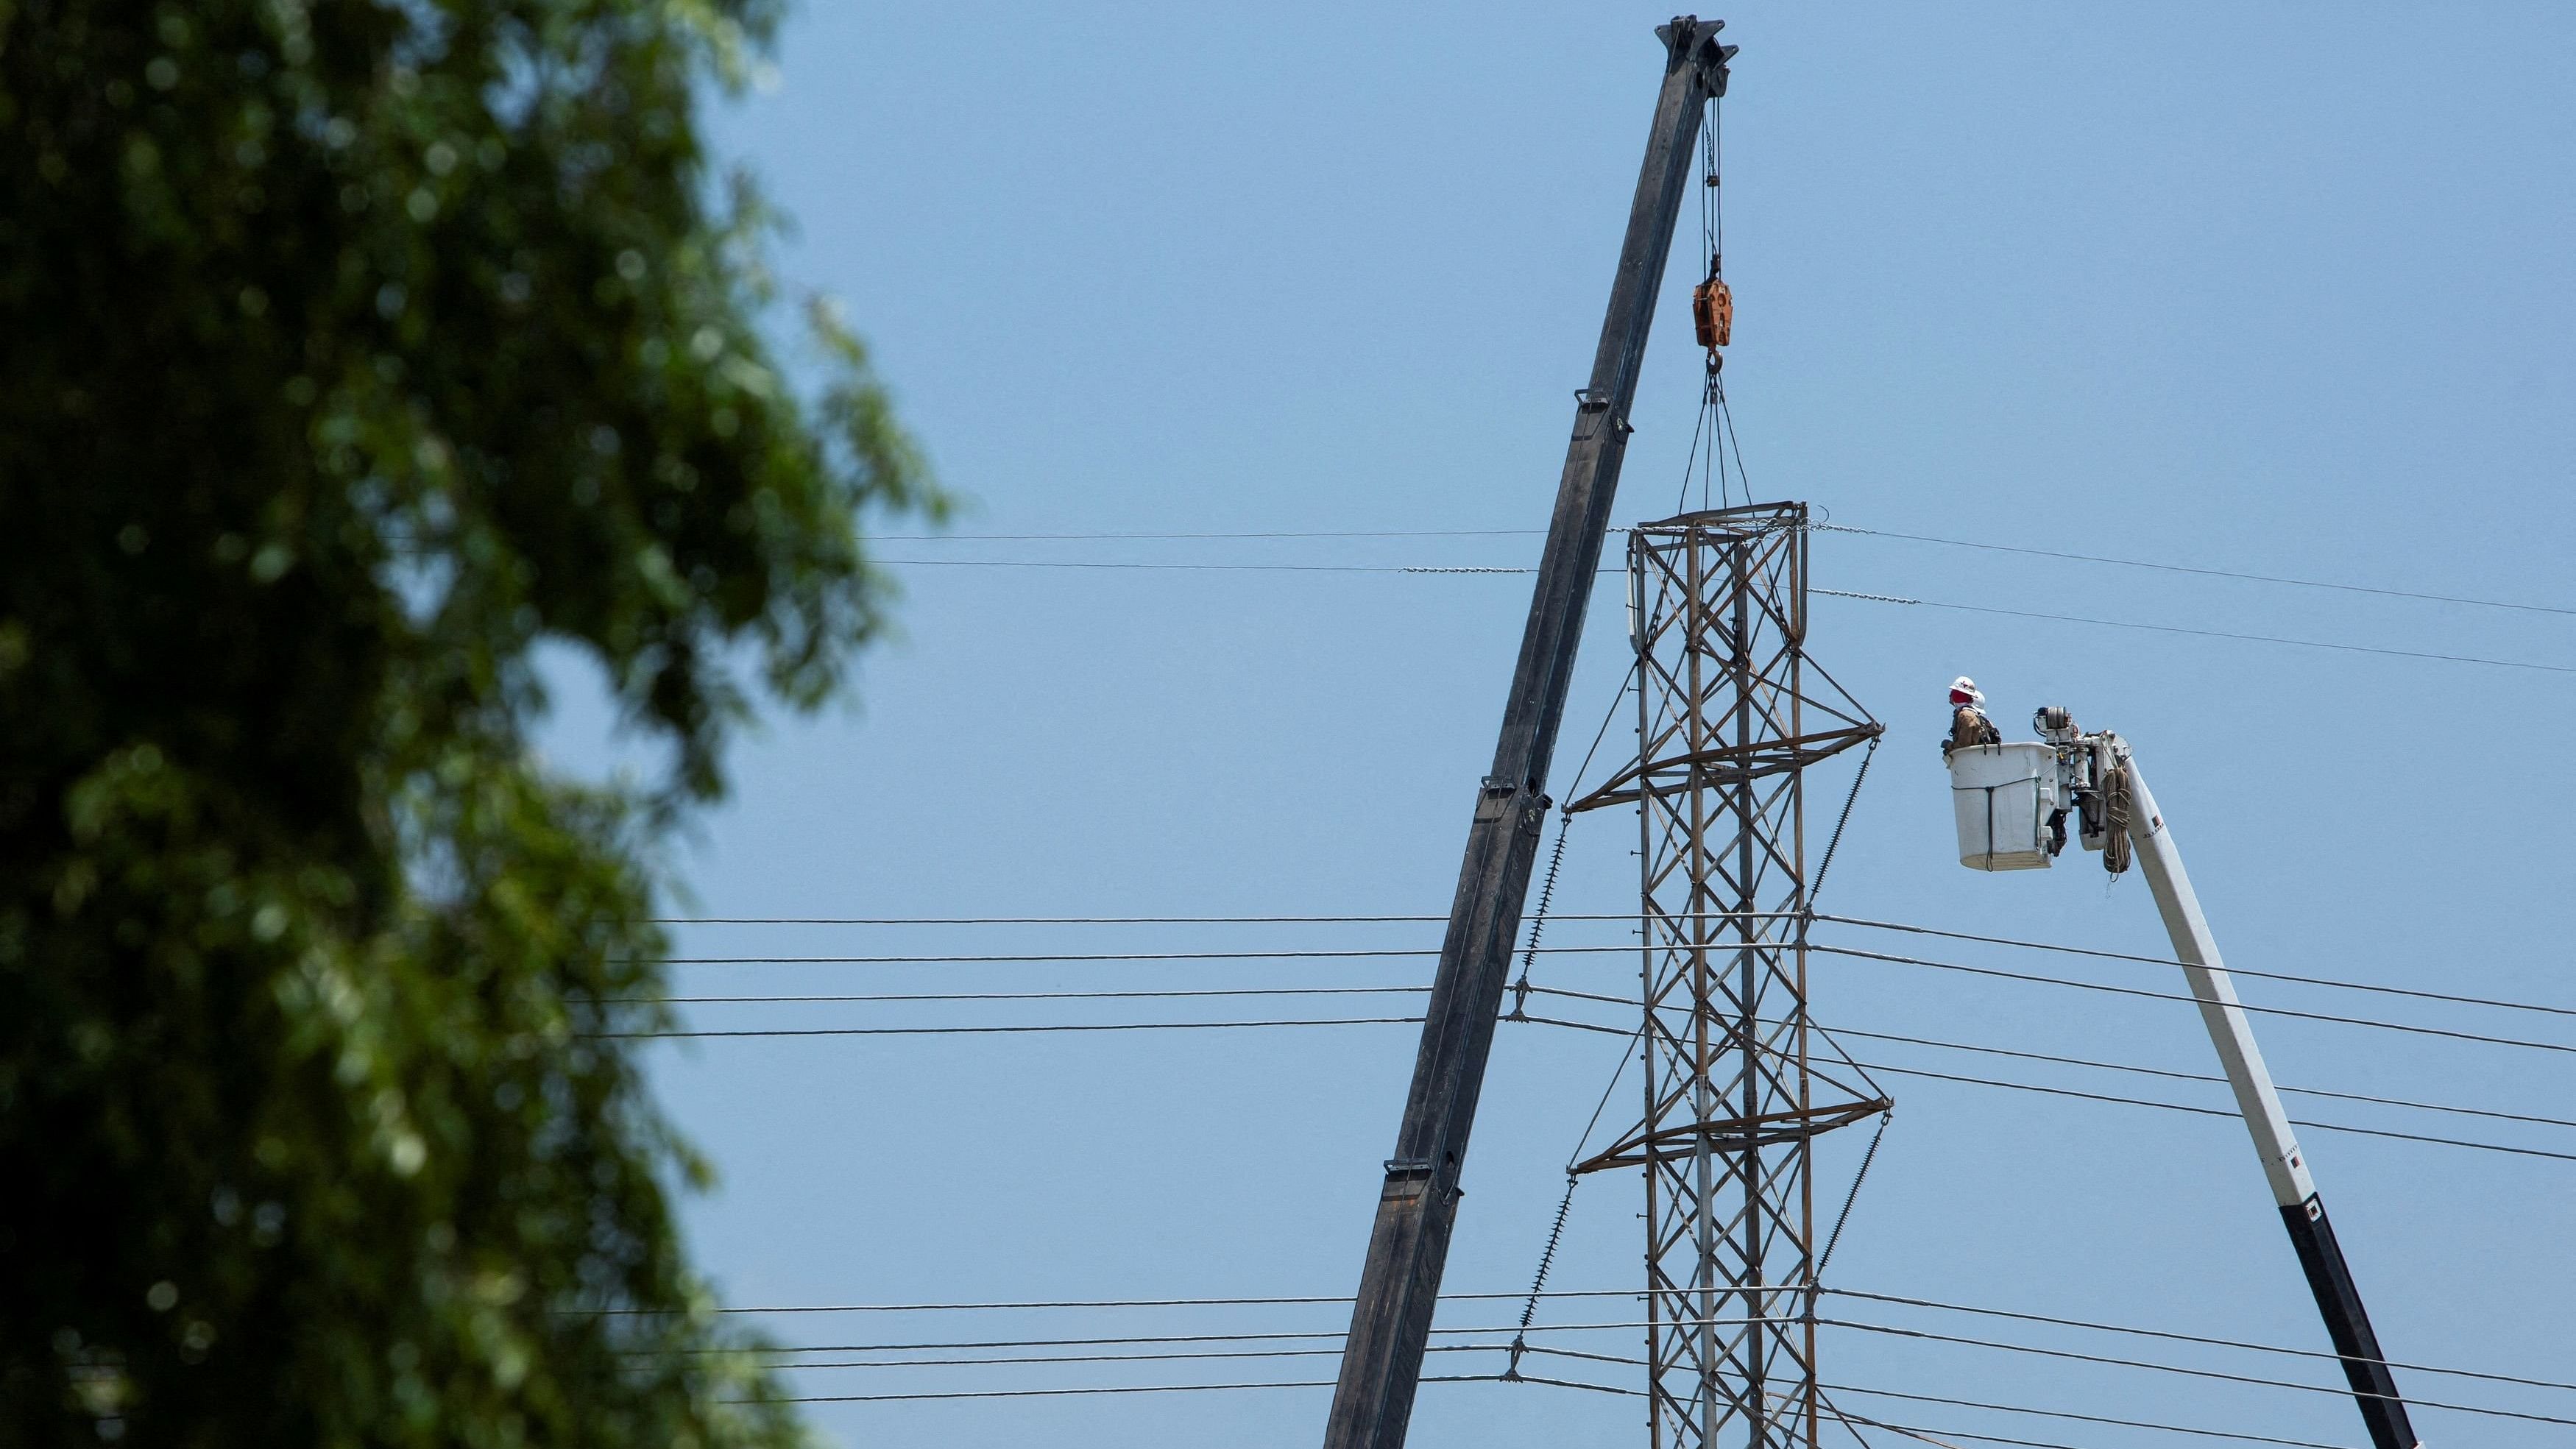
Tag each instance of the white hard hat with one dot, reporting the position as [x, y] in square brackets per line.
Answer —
[1963, 685]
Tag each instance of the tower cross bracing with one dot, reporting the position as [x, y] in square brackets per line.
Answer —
[1737, 1085]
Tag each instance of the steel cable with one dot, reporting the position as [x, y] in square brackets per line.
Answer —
[2237, 1435]
[2104, 1359]
[2146, 994]
[2339, 983]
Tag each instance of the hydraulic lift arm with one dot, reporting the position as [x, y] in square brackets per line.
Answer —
[1409, 1240]
[2012, 803]
[2284, 1166]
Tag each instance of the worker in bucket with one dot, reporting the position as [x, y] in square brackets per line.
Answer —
[1968, 722]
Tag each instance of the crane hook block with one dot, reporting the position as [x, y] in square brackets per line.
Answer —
[1713, 312]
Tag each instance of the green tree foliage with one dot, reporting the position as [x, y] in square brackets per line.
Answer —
[348, 352]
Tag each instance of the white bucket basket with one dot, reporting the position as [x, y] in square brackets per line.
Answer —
[2003, 796]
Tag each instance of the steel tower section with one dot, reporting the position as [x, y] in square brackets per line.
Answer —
[1731, 713]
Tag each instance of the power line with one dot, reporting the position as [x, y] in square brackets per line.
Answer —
[2220, 1112]
[1122, 1026]
[1156, 537]
[1939, 1438]
[1399, 953]
[2242, 638]
[1082, 957]
[1962, 1403]
[1522, 1378]
[2130, 563]
[1157, 1357]
[1054, 920]
[1772, 1290]
[2078, 1418]
[1489, 1378]
[2275, 639]
[1218, 568]
[2204, 633]
[1136, 1339]
[1033, 995]
[1497, 1330]
[1000, 1030]
[2339, 983]
[1957, 1046]
[1190, 1357]
[2406, 991]
[2108, 1097]
[1820, 527]
[1329, 920]
[2143, 993]
[1943, 1437]
[2095, 1358]
[1124, 1388]
[2194, 1338]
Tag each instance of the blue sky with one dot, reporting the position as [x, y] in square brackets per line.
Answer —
[2284, 292]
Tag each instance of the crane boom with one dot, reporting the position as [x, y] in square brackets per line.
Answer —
[1417, 1204]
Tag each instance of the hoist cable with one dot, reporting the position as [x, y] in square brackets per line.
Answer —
[1734, 441]
[1690, 461]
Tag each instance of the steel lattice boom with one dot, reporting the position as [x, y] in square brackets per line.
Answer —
[1730, 714]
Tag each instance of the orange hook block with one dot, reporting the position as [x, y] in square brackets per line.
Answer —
[1713, 312]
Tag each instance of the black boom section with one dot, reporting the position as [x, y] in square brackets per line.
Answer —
[1409, 1241]
[2348, 1324]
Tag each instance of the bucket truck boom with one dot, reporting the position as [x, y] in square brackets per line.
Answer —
[2012, 803]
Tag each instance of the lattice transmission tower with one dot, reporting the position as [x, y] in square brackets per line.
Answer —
[1731, 713]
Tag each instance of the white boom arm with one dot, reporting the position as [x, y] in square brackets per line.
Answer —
[2284, 1166]
[2012, 802]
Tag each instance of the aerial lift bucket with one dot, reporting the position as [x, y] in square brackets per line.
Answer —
[2002, 796]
